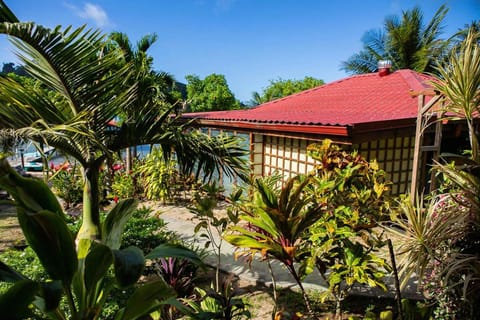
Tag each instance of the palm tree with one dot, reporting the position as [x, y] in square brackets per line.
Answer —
[152, 86]
[406, 42]
[88, 89]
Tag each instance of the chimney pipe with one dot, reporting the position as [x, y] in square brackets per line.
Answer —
[384, 67]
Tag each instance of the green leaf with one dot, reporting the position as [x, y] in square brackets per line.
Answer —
[263, 221]
[50, 238]
[49, 296]
[29, 193]
[15, 302]
[115, 222]
[174, 251]
[129, 264]
[97, 262]
[146, 299]
[200, 225]
[267, 194]
[6, 15]
[7, 274]
[334, 279]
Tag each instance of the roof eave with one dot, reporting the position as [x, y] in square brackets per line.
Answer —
[342, 131]
[370, 127]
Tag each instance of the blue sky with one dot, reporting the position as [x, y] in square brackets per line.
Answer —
[249, 41]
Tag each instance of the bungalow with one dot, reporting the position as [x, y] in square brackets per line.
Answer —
[374, 113]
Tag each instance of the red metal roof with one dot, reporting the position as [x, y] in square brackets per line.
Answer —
[356, 100]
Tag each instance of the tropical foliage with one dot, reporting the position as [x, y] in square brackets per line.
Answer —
[282, 88]
[81, 271]
[89, 89]
[345, 240]
[459, 84]
[67, 184]
[275, 224]
[151, 85]
[440, 239]
[407, 42]
[159, 175]
[224, 305]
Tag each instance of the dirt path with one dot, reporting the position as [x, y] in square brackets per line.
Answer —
[10, 232]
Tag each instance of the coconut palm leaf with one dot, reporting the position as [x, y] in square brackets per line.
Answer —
[202, 154]
[67, 63]
[6, 15]
[405, 41]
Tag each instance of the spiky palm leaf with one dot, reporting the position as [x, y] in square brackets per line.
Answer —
[276, 222]
[422, 231]
[459, 83]
[70, 64]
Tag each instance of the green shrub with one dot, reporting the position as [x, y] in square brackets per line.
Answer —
[123, 185]
[127, 184]
[24, 261]
[344, 241]
[159, 175]
[146, 231]
[67, 183]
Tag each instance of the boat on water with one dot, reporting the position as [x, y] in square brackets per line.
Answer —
[31, 160]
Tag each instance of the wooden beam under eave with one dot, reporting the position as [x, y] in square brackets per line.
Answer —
[426, 92]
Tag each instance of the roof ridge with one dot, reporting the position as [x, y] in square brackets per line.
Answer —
[414, 79]
[315, 88]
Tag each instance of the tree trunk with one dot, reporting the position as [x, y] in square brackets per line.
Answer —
[128, 160]
[90, 228]
[473, 140]
[293, 272]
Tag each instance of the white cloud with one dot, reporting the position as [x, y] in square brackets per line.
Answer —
[95, 13]
[92, 12]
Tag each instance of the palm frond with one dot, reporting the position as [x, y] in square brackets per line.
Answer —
[146, 42]
[6, 15]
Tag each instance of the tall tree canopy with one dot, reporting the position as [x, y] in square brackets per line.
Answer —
[406, 41]
[282, 88]
[210, 94]
[10, 67]
[152, 86]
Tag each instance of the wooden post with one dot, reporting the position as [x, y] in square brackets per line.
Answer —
[422, 124]
[416, 150]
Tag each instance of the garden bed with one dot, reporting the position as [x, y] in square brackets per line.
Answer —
[257, 294]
